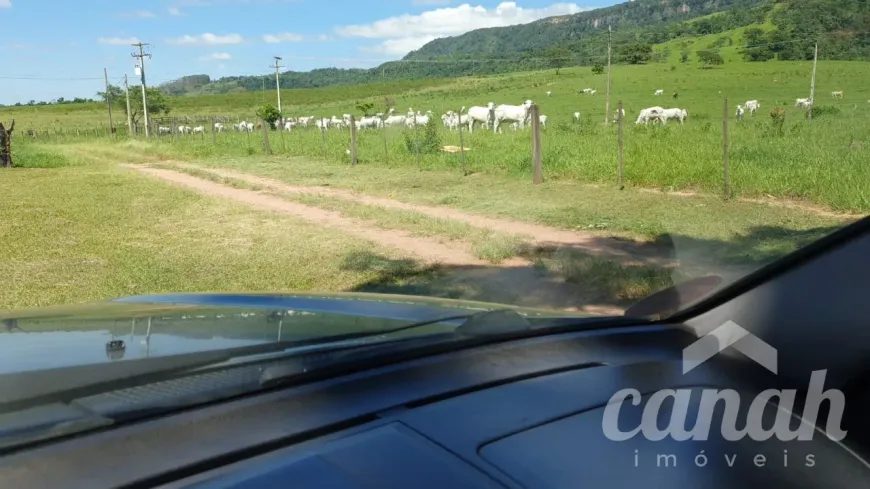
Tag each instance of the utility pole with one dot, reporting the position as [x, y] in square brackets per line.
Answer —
[278, 83]
[108, 102]
[813, 81]
[129, 119]
[607, 101]
[141, 55]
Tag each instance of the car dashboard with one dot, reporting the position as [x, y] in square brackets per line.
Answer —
[521, 414]
[537, 412]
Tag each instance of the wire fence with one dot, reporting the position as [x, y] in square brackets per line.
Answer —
[714, 148]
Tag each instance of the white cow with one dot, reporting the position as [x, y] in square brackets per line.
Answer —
[199, 130]
[618, 114]
[484, 115]
[649, 114]
[543, 120]
[739, 112]
[659, 92]
[679, 114]
[803, 102]
[837, 94]
[576, 116]
[418, 119]
[218, 127]
[587, 90]
[752, 106]
[513, 113]
[371, 122]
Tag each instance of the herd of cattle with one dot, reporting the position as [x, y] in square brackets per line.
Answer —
[491, 117]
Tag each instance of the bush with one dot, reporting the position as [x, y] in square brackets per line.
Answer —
[429, 143]
[823, 110]
[269, 113]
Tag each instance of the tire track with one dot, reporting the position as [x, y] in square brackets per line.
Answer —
[541, 235]
[515, 281]
[428, 250]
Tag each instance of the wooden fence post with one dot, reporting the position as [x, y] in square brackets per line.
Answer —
[417, 141]
[537, 164]
[726, 175]
[266, 146]
[461, 143]
[352, 140]
[619, 145]
[323, 136]
[386, 152]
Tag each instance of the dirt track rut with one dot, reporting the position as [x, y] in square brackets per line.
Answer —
[429, 250]
[512, 281]
[539, 234]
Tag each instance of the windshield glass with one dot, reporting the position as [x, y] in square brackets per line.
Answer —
[410, 167]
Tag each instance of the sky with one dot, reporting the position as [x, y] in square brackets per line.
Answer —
[59, 48]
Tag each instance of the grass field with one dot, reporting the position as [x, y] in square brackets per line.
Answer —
[819, 161]
[83, 228]
[92, 231]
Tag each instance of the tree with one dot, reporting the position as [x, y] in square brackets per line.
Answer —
[6, 145]
[635, 54]
[269, 113]
[115, 95]
[710, 58]
[757, 46]
[157, 101]
[365, 107]
[598, 69]
[558, 57]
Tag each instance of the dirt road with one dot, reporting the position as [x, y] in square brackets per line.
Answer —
[516, 280]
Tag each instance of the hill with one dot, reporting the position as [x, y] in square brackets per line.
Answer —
[643, 31]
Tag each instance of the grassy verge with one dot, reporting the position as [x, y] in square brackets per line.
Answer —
[86, 229]
[700, 226]
[485, 244]
[89, 232]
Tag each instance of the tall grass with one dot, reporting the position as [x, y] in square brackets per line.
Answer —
[815, 161]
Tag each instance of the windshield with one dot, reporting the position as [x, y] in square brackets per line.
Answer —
[409, 167]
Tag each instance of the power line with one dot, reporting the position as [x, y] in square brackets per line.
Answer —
[46, 78]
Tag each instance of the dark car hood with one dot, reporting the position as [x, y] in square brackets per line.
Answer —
[171, 324]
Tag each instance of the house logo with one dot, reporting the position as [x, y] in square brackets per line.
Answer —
[676, 402]
[729, 335]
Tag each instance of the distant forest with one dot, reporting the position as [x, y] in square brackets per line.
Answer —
[782, 29]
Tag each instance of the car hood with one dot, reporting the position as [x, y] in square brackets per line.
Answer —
[172, 324]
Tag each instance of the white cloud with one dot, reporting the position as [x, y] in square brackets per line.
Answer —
[5, 3]
[283, 37]
[118, 41]
[139, 14]
[175, 11]
[407, 32]
[207, 39]
[399, 46]
[324, 37]
[216, 57]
